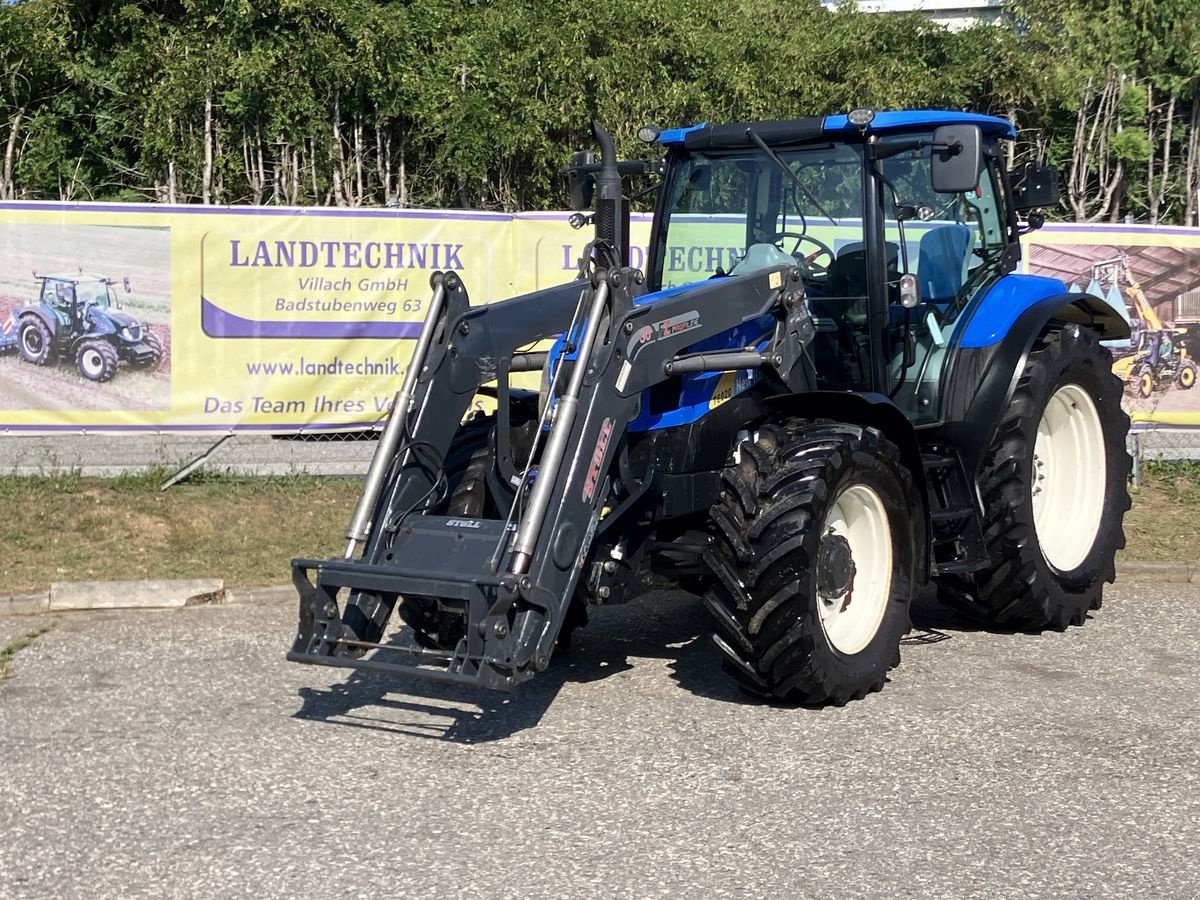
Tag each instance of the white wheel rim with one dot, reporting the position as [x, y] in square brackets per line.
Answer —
[851, 619]
[33, 341]
[93, 364]
[1070, 474]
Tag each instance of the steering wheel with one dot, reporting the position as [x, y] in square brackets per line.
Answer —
[809, 262]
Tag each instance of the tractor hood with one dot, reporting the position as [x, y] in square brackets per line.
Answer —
[110, 319]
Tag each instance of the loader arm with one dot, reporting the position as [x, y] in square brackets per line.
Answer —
[513, 577]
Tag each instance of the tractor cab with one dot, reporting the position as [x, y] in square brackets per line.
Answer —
[896, 221]
[72, 294]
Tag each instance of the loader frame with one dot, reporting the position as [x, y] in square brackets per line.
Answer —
[515, 578]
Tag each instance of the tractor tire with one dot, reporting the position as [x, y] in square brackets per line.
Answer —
[35, 341]
[97, 360]
[815, 561]
[1187, 376]
[1145, 381]
[156, 346]
[1054, 489]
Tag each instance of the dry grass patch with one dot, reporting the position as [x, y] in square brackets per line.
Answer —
[1164, 524]
[67, 528]
[246, 530]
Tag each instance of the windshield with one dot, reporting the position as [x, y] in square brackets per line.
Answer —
[736, 212]
[96, 292]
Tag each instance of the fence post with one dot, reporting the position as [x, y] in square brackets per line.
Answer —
[1137, 459]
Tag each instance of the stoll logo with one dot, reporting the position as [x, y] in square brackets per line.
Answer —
[665, 328]
[593, 475]
[463, 523]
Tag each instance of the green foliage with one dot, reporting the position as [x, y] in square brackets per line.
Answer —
[458, 103]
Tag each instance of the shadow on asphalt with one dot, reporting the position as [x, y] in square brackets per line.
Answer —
[673, 627]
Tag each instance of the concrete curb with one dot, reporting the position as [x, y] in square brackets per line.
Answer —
[1172, 572]
[253, 596]
[79, 595]
[24, 604]
[74, 596]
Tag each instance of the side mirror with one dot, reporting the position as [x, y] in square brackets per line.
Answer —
[581, 187]
[957, 159]
[1035, 186]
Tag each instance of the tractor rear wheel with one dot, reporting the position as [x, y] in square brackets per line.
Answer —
[1053, 484]
[814, 565]
[97, 360]
[37, 344]
[1187, 375]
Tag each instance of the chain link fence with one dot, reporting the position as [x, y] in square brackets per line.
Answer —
[1154, 442]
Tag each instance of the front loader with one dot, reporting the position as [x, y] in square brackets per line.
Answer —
[827, 388]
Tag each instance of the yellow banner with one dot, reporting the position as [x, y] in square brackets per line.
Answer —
[145, 317]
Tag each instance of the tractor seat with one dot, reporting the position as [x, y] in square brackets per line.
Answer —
[942, 262]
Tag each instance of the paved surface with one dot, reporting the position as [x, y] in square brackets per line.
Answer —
[177, 754]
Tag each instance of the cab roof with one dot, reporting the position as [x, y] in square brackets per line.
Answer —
[705, 136]
[78, 278]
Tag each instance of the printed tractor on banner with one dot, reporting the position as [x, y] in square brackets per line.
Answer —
[1161, 356]
[827, 389]
[78, 318]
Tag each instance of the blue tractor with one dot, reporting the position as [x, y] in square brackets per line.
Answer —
[827, 389]
[78, 318]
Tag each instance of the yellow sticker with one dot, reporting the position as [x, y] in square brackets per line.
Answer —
[775, 280]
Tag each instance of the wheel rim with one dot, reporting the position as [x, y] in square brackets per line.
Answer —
[1187, 377]
[1070, 472]
[92, 363]
[1147, 384]
[33, 341]
[851, 617]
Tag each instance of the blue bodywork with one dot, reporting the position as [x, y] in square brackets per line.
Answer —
[993, 313]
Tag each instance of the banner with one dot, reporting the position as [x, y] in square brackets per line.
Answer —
[145, 317]
[1153, 275]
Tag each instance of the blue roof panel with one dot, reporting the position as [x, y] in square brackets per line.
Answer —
[901, 120]
[673, 137]
[884, 122]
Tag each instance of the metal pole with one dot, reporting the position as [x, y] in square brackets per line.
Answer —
[389, 441]
[556, 445]
[1137, 459]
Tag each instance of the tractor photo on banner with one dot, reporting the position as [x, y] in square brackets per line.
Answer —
[1154, 275]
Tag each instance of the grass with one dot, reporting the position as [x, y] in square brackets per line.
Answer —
[7, 653]
[1164, 523]
[245, 530]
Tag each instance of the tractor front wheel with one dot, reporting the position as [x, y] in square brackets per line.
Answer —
[1053, 484]
[151, 340]
[814, 566]
[37, 344]
[1187, 375]
[97, 360]
[1145, 382]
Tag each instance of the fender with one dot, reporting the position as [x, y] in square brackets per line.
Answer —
[875, 411]
[50, 321]
[996, 342]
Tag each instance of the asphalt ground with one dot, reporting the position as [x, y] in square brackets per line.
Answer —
[177, 754]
